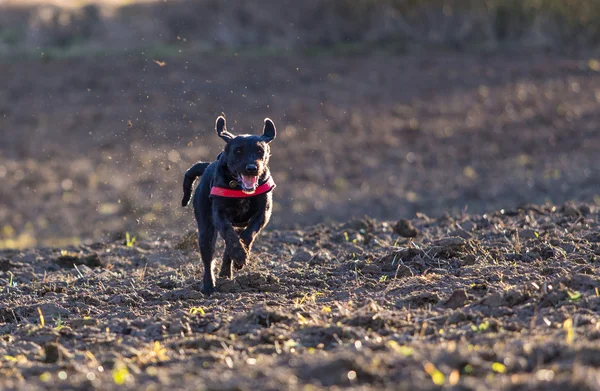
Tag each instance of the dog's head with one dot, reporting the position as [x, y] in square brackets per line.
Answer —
[246, 156]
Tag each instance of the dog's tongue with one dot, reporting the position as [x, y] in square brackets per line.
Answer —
[249, 181]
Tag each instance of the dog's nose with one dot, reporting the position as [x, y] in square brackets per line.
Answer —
[252, 168]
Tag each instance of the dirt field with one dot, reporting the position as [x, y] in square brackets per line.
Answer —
[490, 160]
[478, 302]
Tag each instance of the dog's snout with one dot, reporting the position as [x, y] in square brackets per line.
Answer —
[252, 168]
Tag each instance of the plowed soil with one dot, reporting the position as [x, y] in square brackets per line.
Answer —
[476, 267]
[507, 300]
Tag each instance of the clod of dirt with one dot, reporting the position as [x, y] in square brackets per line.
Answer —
[390, 262]
[353, 249]
[336, 371]
[493, 300]
[302, 256]
[55, 352]
[403, 271]
[451, 243]
[77, 323]
[405, 229]
[528, 234]
[259, 316]
[457, 317]
[258, 282]
[450, 246]
[70, 259]
[468, 260]
[570, 209]
[292, 238]
[468, 226]
[179, 327]
[457, 299]
[203, 342]
[7, 264]
[371, 269]
[366, 224]
[419, 300]
[515, 297]
[320, 258]
[181, 294]
[49, 310]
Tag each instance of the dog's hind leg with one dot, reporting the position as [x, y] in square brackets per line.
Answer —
[226, 267]
[206, 241]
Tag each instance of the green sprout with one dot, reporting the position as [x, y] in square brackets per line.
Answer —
[482, 327]
[574, 296]
[129, 240]
[59, 324]
[197, 310]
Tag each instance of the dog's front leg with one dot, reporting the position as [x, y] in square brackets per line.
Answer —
[255, 225]
[234, 249]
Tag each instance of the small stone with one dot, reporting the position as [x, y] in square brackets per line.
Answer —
[302, 256]
[405, 229]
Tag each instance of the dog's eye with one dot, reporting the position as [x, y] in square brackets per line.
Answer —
[238, 151]
[260, 152]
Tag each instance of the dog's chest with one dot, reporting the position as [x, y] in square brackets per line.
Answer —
[239, 211]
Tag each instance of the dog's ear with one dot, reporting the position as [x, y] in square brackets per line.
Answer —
[268, 131]
[222, 130]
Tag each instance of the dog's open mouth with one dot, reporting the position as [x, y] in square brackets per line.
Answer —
[249, 182]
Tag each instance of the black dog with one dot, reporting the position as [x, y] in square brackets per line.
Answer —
[233, 198]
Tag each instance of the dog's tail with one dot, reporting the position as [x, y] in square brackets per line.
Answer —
[188, 180]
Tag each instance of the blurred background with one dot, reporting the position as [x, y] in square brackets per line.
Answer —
[384, 108]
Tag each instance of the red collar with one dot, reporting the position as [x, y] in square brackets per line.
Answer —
[224, 192]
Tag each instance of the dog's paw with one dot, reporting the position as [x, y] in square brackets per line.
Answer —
[239, 265]
[226, 273]
[208, 290]
[239, 256]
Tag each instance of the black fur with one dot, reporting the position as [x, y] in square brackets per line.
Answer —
[238, 220]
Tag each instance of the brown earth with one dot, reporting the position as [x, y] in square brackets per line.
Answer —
[477, 302]
[95, 147]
